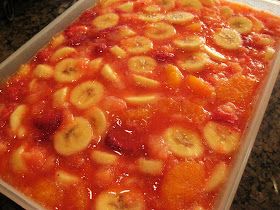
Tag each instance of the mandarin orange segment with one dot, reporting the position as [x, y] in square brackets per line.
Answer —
[182, 183]
[200, 87]
[174, 75]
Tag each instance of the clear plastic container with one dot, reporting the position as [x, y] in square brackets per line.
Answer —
[23, 54]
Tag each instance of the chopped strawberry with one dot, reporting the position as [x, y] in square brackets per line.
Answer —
[43, 55]
[88, 16]
[164, 57]
[227, 112]
[123, 139]
[76, 34]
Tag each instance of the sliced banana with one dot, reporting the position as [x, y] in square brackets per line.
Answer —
[106, 21]
[142, 99]
[152, 9]
[264, 40]
[179, 17]
[24, 69]
[16, 119]
[145, 82]
[269, 53]
[208, 2]
[118, 52]
[142, 64]
[217, 177]
[183, 143]
[43, 71]
[189, 43]
[151, 167]
[191, 3]
[67, 71]
[166, 4]
[241, 24]
[126, 7]
[74, 137]
[98, 121]
[120, 200]
[104, 158]
[87, 94]
[111, 75]
[58, 40]
[196, 63]
[59, 97]
[174, 76]
[221, 138]
[125, 31]
[215, 55]
[151, 17]
[160, 30]
[61, 53]
[138, 45]
[17, 162]
[107, 3]
[95, 64]
[65, 179]
[226, 11]
[228, 39]
[258, 25]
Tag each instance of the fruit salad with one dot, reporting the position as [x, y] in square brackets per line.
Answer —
[137, 105]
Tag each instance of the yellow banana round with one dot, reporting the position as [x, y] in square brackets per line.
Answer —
[87, 94]
[98, 121]
[137, 45]
[189, 43]
[183, 143]
[67, 71]
[228, 39]
[221, 138]
[191, 3]
[151, 17]
[217, 177]
[160, 31]
[141, 64]
[196, 63]
[179, 17]
[241, 24]
[166, 4]
[123, 200]
[145, 81]
[74, 137]
[106, 21]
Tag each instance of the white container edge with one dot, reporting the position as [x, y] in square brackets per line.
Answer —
[24, 53]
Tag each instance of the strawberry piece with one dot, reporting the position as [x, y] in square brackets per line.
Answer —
[164, 57]
[76, 34]
[122, 138]
[15, 91]
[43, 55]
[227, 113]
[88, 16]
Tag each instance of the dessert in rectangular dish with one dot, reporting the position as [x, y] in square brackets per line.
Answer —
[136, 105]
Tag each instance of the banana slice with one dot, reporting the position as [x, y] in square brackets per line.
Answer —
[87, 94]
[118, 52]
[111, 75]
[98, 121]
[43, 71]
[62, 53]
[17, 117]
[217, 177]
[17, 162]
[196, 63]
[65, 179]
[59, 97]
[226, 11]
[258, 25]
[174, 75]
[208, 2]
[241, 24]
[152, 9]
[179, 17]
[24, 69]
[66, 71]
[145, 82]
[151, 167]
[228, 39]
[191, 3]
[106, 21]
[183, 143]
[137, 45]
[74, 137]
[104, 158]
[264, 40]
[58, 40]
[221, 138]
[120, 200]
[160, 30]
[95, 64]
[151, 17]
[125, 31]
[141, 64]
[126, 7]
[189, 43]
[166, 4]
[141, 100]
[269, 53]
[107, 3]
[214, 54]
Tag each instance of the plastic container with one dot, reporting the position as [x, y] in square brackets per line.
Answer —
[23, 54]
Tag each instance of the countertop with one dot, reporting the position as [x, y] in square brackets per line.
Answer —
[261, 180]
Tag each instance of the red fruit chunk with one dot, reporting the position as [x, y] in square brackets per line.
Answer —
[15, 91]
[43, 56]
[227, 112]
[163, 57]
[76, 34]
[123, 139]
[88, 15]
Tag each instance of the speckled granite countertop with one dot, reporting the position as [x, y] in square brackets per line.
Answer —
[258, 187]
